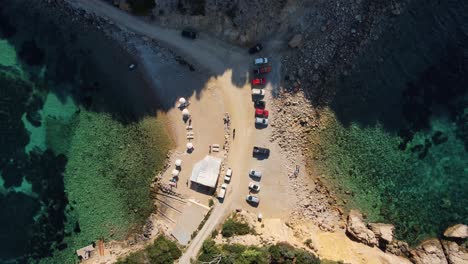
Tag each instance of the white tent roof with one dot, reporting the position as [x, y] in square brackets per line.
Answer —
[182, 100]
[185, 112]
[178, 162]
[206, 171]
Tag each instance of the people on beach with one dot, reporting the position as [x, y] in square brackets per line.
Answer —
[234, 133]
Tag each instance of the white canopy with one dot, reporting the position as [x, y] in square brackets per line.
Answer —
[189, 145]
[185, 112]
[206, 171]
[182, 100]
[178, 162]
[175, 173]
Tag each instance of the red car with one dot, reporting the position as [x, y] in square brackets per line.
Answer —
[258, 81]
[261, 112]
[262, 70]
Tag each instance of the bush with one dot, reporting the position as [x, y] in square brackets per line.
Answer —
[134, 258]
[210, 202]
[141, 7]
[163, 251]
[209, 251]
[232, 227]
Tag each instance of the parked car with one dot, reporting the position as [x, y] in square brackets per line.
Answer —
[222, 191]
[259, 92]
[228, 176]
[258, 81]
[254, 186]
[188, 33]
[262, 70]
[261, 113]
[258, 47]
[252, 199]
[255, 173]
[260, 151]
[261, 121]
[259, 104]
[260, 61]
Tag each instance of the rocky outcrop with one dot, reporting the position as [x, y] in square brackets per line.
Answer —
[296, 41]
[429, 252]
[357, 229]
[457, 231]
[383, 232]
[399, 248]
[455, 254]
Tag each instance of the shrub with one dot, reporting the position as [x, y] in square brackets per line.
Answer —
[141, 7]
[232, 227]
[209, 251]
[163, 251]
[134, 258]
[210, 202]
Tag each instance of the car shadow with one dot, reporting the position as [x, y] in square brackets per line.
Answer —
[260, 126]
[253, 204]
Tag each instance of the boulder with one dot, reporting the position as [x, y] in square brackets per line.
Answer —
[358, 230]
[429, 252]
[383, 231]
[296, 41]
[457, 231]
[455, 254]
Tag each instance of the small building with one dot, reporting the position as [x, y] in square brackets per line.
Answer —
[206, 172]
[85, 253]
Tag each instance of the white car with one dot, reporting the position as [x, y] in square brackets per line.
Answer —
[228, 176]
[252, 199]
[222, 191]
[261, 121]
[255, 173]
[258, 92]
[254, 186]
[260, 61]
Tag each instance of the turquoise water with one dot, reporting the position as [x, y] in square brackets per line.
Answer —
[80, 138]
[398, 138]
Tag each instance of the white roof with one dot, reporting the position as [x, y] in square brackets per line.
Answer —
[206, 171]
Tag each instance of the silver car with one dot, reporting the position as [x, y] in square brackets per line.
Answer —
[261, 121]
[252, 199]
[255, 173]
[260, 61]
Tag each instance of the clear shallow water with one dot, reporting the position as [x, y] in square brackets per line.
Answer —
[78, 133]
[398, 138]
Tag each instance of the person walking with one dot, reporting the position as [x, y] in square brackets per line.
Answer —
[234, 133]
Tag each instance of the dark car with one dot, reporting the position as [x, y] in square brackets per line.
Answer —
[255, 48]
[259, 104]
[262, 70]
[259, 151]
[188, 33]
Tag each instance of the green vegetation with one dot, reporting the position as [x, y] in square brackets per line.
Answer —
[240, 254]
[162, 251]
[141, 7]
[233, 227]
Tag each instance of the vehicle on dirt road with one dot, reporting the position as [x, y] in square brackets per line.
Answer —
[258, 47]
[188, 33]
[259, 151]
[254, 186]
[259, 92]
[260, 61]
[261, 121]
[258, 81]
[252, 199]
[262, 70]
[260, 104]
[222, 191]
[228, 176]
[255, 173]
[261, 113]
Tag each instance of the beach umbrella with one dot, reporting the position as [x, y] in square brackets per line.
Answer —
[175, 173]
[178, 162]
[189, 146]
[185, 112]
[182, 100]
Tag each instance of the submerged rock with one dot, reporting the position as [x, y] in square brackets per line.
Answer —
[357, 229]
[429, 252]
[454, 253]
[296, 41]
[383, 231]
[457, 231]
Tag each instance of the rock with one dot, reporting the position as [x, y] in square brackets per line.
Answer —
[454, 253]
[383, 231]
[296, 41]
[457, 231]
[399, 248]
[358, 230]
[429, 252]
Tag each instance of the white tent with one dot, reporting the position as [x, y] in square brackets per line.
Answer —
[175, 173]
[206, 171]
[182, 100]
[189, 146]
[178, 162]
[185, 112]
